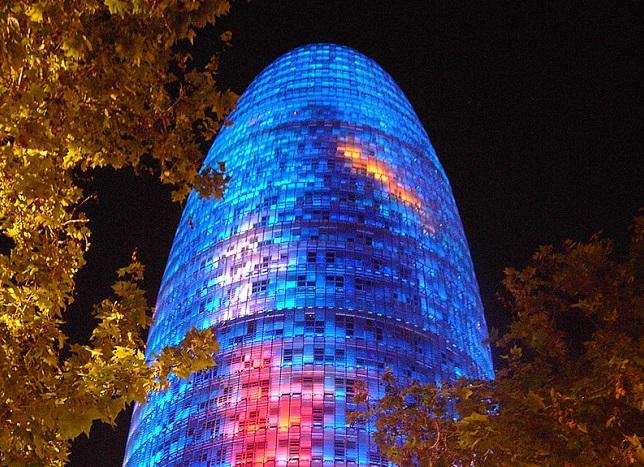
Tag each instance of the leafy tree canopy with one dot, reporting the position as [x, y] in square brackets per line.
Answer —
[571, 391]
[88, 84]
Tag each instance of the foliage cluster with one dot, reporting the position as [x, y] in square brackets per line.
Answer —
[571, 390]
[88, 84]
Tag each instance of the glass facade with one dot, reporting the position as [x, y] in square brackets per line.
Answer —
[337, 252]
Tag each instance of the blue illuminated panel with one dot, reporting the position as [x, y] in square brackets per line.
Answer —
[337, 252]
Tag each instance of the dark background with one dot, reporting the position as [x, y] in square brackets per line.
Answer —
[535, 111]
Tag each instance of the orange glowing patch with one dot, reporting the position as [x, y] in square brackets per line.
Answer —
[380, 171]
[287, 421]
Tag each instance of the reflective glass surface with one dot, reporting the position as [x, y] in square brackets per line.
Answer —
[337, 252]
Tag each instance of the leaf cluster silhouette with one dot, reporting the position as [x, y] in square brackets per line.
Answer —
[83, 85]
[570, 391]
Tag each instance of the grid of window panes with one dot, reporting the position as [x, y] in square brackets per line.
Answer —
[337, 252]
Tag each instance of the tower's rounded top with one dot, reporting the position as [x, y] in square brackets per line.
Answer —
[329, 83]
[318, 69]
[325, 59]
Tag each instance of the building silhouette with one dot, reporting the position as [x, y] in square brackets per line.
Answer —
[337, 252]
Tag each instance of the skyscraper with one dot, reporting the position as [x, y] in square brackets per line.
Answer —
[337, 252]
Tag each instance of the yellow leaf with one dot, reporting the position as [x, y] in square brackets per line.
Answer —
[35, 12]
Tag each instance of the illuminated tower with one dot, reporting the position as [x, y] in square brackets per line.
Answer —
[337, 252]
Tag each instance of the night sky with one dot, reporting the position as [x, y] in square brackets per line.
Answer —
[536, 113]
